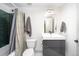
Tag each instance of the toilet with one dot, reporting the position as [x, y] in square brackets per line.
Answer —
[31, 47]
[28, 52]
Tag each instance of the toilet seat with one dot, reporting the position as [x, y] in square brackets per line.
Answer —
[28, 52]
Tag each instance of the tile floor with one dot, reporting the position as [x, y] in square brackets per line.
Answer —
[38, 53]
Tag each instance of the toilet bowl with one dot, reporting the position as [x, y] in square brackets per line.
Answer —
[31, 46]
[28, 52]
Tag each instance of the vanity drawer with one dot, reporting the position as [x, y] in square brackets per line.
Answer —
[53, 47]
[54, 51]
[53, 43]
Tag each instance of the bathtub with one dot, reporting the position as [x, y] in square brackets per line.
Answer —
[27, 52]
[12, 54]
[4, 51]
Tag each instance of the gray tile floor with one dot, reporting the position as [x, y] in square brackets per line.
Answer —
[38, 53]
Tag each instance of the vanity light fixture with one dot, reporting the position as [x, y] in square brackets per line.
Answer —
[49, 13]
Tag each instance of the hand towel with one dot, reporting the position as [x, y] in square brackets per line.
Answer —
[28, 26]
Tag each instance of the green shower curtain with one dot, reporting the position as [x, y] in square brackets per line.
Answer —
[5, 26]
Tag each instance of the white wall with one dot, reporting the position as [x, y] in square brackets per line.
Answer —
[5, 50]
[37, 15]
[69, 16]
[37, 22]
[78, 29]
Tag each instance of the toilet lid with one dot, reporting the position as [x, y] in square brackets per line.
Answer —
[28, 52]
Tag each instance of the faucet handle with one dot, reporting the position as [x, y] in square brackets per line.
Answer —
[50, 32]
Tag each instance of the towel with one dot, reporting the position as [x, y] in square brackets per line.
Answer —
[28, 26]
[63, 27]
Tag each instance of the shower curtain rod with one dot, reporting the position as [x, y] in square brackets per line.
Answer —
[14, 7]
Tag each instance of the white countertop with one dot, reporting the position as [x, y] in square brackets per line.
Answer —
[54, 36]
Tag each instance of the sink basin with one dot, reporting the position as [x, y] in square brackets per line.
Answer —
[53, 36]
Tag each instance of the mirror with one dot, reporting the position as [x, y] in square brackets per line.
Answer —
[49, 22]
[49, 25]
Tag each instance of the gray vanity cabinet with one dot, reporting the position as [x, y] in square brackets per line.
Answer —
[53, 47]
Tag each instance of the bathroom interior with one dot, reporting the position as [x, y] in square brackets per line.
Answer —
[39, 29]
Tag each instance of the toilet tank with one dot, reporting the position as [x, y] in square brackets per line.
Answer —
[31, 43]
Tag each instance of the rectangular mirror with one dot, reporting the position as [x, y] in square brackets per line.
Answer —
[49, 25]
[49, 21]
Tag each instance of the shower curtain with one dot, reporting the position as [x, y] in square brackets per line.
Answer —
[20, 35]
[13, 34]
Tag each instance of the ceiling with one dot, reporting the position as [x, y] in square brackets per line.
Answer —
[13, 5]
